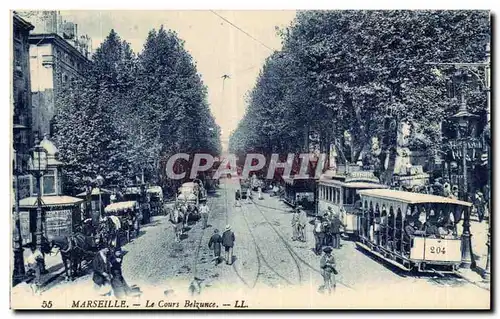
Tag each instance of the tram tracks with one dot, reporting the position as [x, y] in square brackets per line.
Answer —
[260, 256]
[235, 269]
[290, 249]
[200, 239]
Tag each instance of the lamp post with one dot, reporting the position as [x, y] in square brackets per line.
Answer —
[38, 166]
[463, 118]
[486, 273]
[100, 181]
[17, 242]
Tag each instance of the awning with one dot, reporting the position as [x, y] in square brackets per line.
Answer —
[155, 189]
[120, 206]
[31, 202]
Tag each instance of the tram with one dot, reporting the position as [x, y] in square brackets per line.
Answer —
[412, 231]
[340, 193]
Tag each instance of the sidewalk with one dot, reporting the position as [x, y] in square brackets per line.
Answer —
[54, 266]
[479, 232]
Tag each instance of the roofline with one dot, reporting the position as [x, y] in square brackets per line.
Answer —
[21, 22]
[39, 38]
[409, 201]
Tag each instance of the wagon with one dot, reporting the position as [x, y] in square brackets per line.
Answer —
[129, 215]
[155, 194]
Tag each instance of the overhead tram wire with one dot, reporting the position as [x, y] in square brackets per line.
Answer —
[243, 31]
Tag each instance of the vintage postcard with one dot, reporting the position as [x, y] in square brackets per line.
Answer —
[243, 160]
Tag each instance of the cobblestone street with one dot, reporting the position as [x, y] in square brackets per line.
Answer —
[266, 261]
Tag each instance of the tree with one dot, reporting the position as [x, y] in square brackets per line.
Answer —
[90, 136]
[365, 73]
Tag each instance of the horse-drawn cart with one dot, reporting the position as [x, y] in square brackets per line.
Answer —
[155, 194]
[122, 219]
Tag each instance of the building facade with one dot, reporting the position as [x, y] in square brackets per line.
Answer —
[21, 92]
[58, 56]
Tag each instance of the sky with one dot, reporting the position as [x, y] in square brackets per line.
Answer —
[217, 47]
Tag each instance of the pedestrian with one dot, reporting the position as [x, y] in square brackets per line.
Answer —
[276, 190]
[328, 270]
[120, 287]
[336, 223]
[479, 205]
[215, 243]
[302, 224]
[295, 225]
[237, 197]
[34, 265]
[260, 192]
[249, 195]
[101, 267]
[204, 211]
[228, 243]
[446, 189]
[318, 235]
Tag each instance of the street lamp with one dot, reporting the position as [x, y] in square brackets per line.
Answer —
[463, 118]
[17, 244]
[100, 181]
[38, 166]
[486, 274]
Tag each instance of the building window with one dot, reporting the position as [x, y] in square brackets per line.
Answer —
[17, 59]
[49, 183]
[64, 78]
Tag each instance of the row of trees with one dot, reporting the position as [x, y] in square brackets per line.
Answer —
[129, 111]
[353, 75]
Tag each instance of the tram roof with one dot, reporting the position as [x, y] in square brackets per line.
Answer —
[411, 198]
[361, 185]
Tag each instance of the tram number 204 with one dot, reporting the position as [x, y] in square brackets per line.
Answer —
[437, 250]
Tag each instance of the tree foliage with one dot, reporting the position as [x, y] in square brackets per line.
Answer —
[128, 111]
[365, 73]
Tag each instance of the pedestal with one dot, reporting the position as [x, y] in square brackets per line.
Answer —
[18, 273]
[467, 255]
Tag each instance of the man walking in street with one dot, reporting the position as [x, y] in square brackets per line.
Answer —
[215, 244]
[237, 197]
[101, 267]
[336, 223]
[328, 271]
[318, 235]
[302, 224]
[228, 243]
[204, 211]
[295, 225]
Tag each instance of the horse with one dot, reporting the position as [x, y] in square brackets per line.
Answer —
[74, 249]
[109, 231]
[131, 225]
[177, 218]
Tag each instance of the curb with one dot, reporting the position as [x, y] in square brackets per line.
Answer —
[481, 284]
